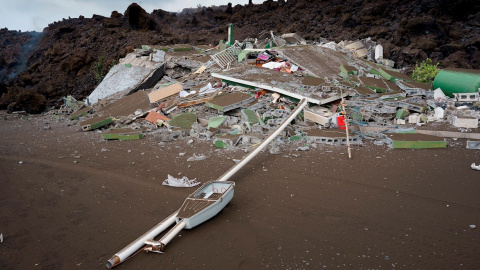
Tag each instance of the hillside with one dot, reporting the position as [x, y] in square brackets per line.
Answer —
[61, 60]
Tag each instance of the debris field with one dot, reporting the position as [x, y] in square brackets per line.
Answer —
[82, 181]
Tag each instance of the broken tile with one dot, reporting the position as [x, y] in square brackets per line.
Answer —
[215, 122]
[227, 102]
[154, 116]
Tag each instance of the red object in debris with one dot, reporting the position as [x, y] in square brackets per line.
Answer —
[153, 117]
[260, 93]
[341, 122]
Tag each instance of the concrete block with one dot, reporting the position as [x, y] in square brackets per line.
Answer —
[465, 122]
[414, 118]
[473, 144]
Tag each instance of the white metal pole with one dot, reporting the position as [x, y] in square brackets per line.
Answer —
[174, 231]
[346, 128]
[127, 251]
[270, 138]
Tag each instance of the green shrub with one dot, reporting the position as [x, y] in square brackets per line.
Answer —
[425, 72]
[98, 69]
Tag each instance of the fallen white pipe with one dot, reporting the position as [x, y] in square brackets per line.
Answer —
[270, 138]
[126, 252]
[170, 234]
[159, 246]
[123, 254]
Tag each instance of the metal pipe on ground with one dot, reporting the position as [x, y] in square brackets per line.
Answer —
[133, 247]
[126, 252]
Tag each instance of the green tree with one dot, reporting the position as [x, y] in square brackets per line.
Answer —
[425, 72]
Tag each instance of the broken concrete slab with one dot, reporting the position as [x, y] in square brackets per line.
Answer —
[165, 92]
[319, 115]
[123, 134]
[378, 85]
[272, 80]
[347, 69]
[250, 116]
[229, 101]
[122, 80]
[184, 120]
[216, 121]
[312, 81]
[293, 38]
[357, 48]
[317, 61]
[81, 112]
[450, 134]
[414, 141]
[95, 122]
[127, 105]
[473, 144]
[465, 122]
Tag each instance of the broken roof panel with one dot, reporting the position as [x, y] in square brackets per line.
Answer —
[317, 61]
[127, 105]
[377, 84]
[280, 82]
[392, 75]
[227, 102]
[312, 81]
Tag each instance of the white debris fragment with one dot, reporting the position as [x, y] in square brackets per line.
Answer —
[476, 167]
[181, 154]
[196, 158]
[438, 95]
[180, 182]
[1, 237]
[472, 226]
[20, 162]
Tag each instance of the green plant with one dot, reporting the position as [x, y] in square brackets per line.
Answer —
[425, 72]
[98, 69]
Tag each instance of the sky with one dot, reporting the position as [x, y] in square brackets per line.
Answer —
[34, 15]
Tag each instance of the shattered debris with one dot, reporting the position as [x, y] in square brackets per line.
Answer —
[180, 182]
[236, 94]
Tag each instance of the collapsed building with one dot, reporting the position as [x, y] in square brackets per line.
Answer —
[234, 94]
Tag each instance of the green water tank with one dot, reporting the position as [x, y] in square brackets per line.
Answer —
[455, 80]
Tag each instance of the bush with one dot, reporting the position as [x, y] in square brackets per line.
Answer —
[98, 69]
[425, 72]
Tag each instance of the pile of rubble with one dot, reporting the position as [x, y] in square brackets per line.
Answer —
[237, 93]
